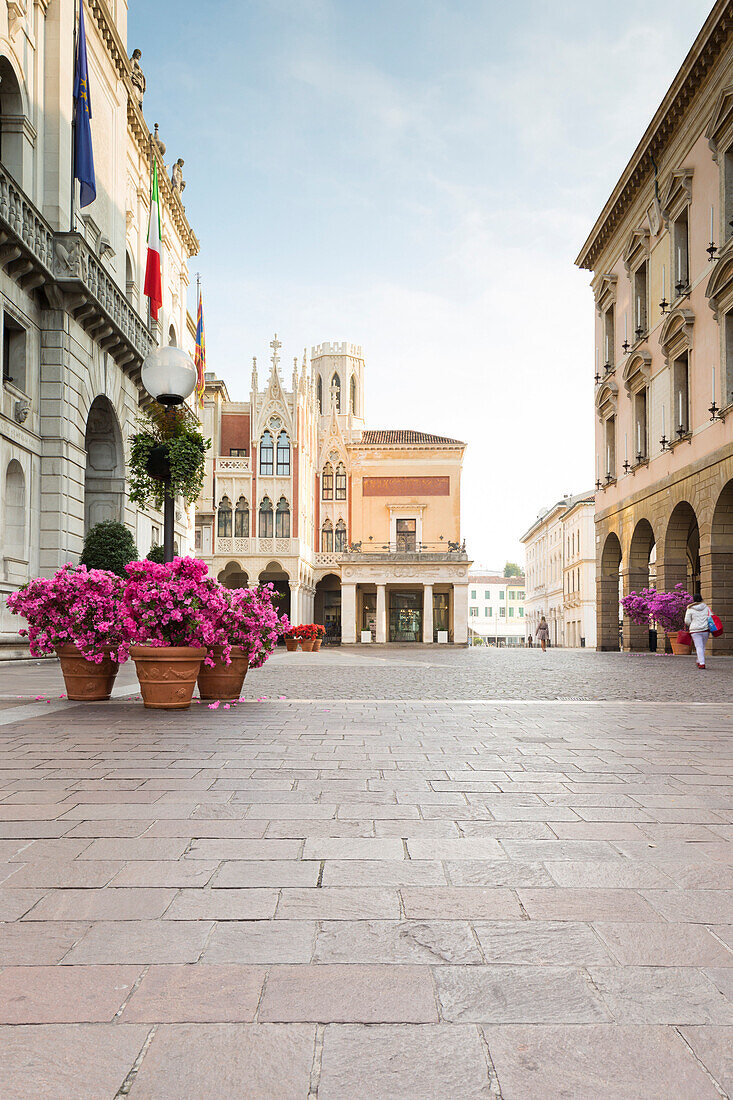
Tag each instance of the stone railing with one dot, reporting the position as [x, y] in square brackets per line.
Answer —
[25, 231]
[241, 547]
[327, 558]
[232, 465]
[72, 274]
[121, 330]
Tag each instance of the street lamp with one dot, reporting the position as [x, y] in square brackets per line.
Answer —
[169, 375]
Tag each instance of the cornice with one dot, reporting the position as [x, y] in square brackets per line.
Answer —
[705, 51]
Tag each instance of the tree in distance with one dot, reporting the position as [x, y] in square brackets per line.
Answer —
[511, 569]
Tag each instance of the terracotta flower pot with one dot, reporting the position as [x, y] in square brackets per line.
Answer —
[291, 644]
[86, 681]
[316, 645]
[223, 681]
[167, 674]
[680, 650]
[307, 645]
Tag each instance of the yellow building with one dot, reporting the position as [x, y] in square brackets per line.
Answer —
[661, 254]
[357, 529]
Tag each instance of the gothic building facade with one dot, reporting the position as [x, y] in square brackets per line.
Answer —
[74, 326]
[356, 529]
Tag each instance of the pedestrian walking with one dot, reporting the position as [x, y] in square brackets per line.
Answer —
[542, 633]
[696, 620]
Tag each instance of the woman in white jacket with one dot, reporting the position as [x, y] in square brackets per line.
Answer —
[696, 621]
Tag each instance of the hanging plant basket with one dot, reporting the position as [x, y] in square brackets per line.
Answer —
[168, 448]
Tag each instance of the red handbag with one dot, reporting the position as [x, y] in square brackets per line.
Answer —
[718, 626]
[684, 638]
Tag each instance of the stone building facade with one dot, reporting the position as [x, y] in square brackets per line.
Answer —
[496, 609]
[357, 529]
[661, 257]
[73, 319]
[560, 572]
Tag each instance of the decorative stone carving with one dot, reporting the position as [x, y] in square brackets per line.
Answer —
[158, 143]
[21, 411]
[137, 76]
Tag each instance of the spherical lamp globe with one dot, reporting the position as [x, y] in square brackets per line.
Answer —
[169, 375]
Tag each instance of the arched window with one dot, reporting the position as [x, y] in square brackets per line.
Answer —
[266, 518]
[283, 455]
[241, 519]
[319, 393]
[267, 455]
[327, 537]
[12, 130]
[340, 482]
[224, 518]
[336, 390]
[129, 279]
[353, 394]
[327, 482]
[282, 519]
[172, 341]
[339, 544]
[15, 510]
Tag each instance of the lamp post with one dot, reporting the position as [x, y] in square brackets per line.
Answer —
[169, 375]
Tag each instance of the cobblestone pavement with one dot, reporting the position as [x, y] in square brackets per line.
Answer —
[376, 900]
[436, 672]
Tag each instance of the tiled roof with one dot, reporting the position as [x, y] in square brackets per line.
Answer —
[398, 435]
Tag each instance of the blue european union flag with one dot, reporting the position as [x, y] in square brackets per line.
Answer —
[83, 155]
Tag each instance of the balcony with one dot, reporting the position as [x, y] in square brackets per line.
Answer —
[71, 274]
[232, 465]
[399, 553]
[242, 547]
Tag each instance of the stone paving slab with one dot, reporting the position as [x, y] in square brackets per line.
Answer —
[339, 899]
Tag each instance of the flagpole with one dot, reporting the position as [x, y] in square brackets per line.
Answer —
[75, 38]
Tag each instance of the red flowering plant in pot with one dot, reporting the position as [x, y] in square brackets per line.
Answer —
[320, 635]
[77, 613]
[307, 633]
[292, 638]
[247, 632]
[172, 617]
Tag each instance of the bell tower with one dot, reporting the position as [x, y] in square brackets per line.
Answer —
[338, 374]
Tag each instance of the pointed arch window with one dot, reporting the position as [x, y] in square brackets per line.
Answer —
[353, 394]
[267, 455]
[336, 390]
[224, 518]
[282, 519]
[241, 519]
[327, 537]
[266, 518]
[283, 455]
[339, 542]
[319, 393]
[340, 482]
[327, 482]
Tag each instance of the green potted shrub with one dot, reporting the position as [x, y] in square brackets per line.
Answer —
[109, 545]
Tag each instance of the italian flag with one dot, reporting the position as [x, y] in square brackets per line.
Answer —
[153, 288]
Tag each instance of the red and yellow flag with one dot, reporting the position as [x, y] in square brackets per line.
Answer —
[200, 354]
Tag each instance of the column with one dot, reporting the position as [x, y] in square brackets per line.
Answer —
[635, 635]
[381, 614]
[460, 614]
[295, 604]
[427, 614]
[348, 614]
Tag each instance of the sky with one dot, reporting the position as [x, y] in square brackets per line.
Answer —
[415, 176]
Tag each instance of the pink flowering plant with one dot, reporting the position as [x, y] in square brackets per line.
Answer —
[77, 606]
[173, 604]
[665, 608]
[250, 620]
